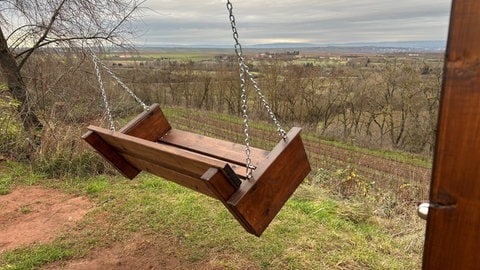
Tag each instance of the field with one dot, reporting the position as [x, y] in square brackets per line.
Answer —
[356, 210]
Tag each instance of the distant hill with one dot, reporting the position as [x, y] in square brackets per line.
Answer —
[363, 47]
[419, 45]
[429, 45]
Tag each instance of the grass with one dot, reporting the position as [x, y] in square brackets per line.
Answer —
[35, 256]
[313, 230]
[13, 174]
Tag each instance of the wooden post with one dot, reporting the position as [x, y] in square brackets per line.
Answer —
[453, 224]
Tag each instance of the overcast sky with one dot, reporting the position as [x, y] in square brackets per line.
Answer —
[194, 22]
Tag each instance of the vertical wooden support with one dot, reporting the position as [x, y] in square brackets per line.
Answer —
[453, 224]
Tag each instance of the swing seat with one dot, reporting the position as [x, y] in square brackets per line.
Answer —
[211, 166]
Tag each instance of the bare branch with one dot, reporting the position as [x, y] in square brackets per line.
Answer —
[42, 38]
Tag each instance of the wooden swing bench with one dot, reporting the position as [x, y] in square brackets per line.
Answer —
[207, 165]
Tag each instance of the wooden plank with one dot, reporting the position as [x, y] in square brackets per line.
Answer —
[168, 156]
[188, 181]
[149, 125]
[230, 152]
[127, 169]
[164, 155]
[215, 176]
[453, 224]
[171, 163]
[258, 201]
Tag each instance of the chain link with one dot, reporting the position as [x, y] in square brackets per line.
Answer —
[280, 130]
[125, 87]
[96, 62]
[244, 69]
[243, 86]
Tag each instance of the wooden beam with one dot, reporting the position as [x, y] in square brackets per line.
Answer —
[453, 225]
[258, 201]
[111, 155]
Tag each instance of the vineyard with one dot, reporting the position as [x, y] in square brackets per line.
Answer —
[400, 177]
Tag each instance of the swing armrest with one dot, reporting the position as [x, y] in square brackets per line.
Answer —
[168, 161]
[149, 125]
[110, 154]
[257, 201]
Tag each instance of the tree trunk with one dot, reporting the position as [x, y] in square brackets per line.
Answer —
[16, 86]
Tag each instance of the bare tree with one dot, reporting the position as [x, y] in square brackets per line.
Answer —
[28, 26]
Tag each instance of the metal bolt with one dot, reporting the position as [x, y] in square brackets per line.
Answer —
[423, 210]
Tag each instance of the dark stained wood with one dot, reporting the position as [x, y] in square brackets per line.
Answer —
[149, 125]
[218, 182]
[207, 165]
[258, 201]
[453, 224]
[228, 151]
[111, 155]
[168, 156]
[188, 181]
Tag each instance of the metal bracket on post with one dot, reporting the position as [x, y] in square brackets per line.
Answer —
[423, 208]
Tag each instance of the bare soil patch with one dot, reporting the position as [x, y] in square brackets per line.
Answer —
[140, 251]
[30, 215]
[145, 250]
[35, 215]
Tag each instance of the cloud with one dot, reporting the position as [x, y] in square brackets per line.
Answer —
[313, 21]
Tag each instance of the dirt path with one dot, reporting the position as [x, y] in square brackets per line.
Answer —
[35, 215]
[140, 251]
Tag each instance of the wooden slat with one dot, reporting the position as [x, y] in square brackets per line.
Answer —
[230, 152]
[188, 181]
[257, 202]
[180, 166]
[110, 155]
[149, 125]
[167, 156]
[453, 224]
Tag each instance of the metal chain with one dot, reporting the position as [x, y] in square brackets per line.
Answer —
[125, 87]
[280, 130]
[96, 62]
[243, 86]
[245, 69]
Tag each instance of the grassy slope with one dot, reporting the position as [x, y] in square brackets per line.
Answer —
[313, 231]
